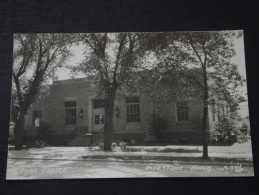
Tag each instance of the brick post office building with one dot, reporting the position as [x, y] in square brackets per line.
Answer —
[72, 108]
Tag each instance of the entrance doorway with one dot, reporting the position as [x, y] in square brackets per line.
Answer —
[98, 122]
[98, 115]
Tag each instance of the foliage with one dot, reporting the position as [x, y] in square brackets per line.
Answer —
[227, 126]
[115, 60]
[11, 138]
[158, 124]
[123, 145]
[111, 62]
[36, 58]
[114, 145]
[245, 127]
[212, 53]
[40, 144]
[101, 146]
[199, 65]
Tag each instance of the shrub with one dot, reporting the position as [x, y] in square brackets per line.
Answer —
[245, 128]
[101, 146]
[228, 128]
[158, 124]
[11, 139]
[40, 144]
[123, 145]
[114, 145]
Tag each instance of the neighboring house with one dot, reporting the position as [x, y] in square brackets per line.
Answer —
[72, 109]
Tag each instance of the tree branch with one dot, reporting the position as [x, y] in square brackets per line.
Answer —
[194, 49]
[18, 87]
[118, 57]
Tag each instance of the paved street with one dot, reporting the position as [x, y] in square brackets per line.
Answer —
[61, 169]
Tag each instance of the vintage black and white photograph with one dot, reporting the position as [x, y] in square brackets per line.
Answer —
[129, 105]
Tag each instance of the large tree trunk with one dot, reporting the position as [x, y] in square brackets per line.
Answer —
[205, 114]
[108, 122]
[204, 127]
[18, 131]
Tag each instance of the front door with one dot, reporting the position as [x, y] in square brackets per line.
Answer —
[98, 122]
[98, 115]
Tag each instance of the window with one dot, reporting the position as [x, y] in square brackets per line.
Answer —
[36, 118]
[98, 119]
[182, 111]
[98, 104]
[70, 111]
[133, 109]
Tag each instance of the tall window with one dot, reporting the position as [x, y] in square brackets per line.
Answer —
[182, 111]
[36, 118]
[133, 109]
[70, 111]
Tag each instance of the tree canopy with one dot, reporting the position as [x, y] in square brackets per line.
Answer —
[36, 57]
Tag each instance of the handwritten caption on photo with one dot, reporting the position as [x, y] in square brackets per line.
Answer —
[42, 170]
[207, 168]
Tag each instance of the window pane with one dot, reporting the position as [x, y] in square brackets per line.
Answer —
[70, 112]
[133, 109]
[97, 119]
[182, 111]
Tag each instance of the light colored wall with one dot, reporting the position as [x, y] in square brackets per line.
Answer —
[53, 111]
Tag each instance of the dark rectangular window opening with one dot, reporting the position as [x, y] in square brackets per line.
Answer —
[133, 109]
[98, 103]
[70, 112]
[182, 111]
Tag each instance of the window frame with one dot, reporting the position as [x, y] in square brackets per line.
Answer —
[183, 117]
[133, 109]
[72, 110]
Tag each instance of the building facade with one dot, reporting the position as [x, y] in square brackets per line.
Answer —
[72, 109]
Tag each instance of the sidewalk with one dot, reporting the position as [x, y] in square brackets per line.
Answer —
[237, 153]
